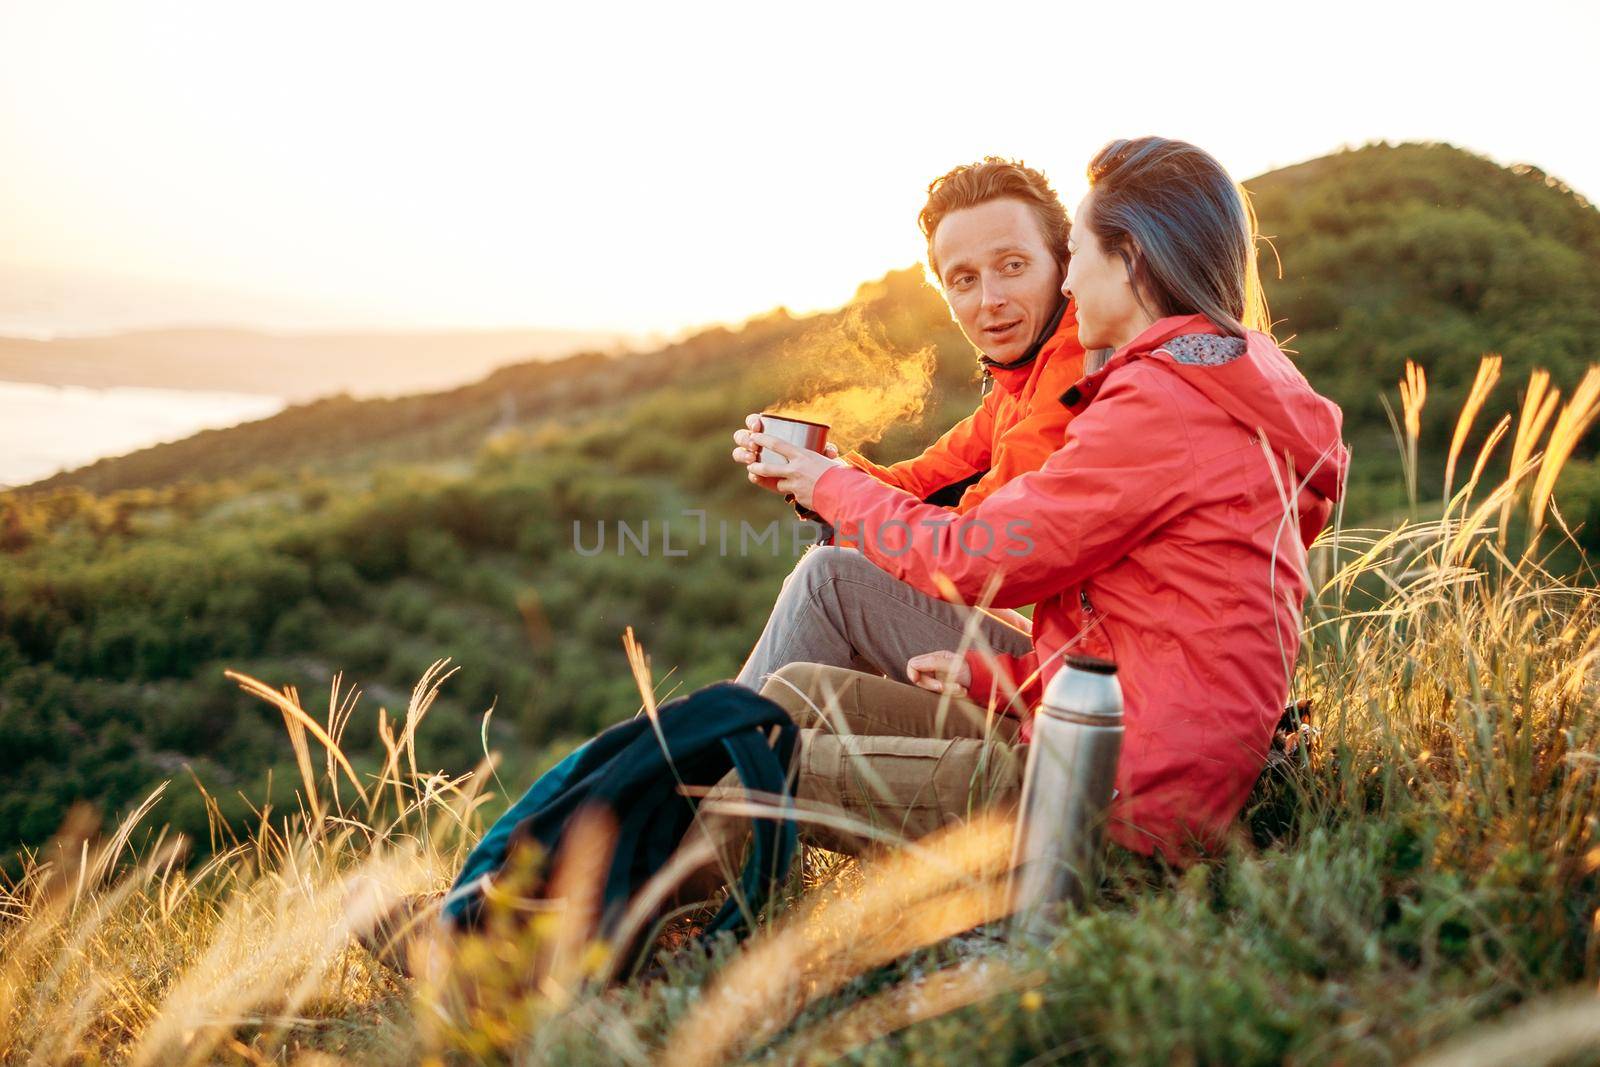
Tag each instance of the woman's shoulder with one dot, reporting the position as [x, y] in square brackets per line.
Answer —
[1145, 389]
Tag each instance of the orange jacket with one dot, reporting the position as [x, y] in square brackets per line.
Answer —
[1015, 429]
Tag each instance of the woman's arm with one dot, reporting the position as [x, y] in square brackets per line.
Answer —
[1126, 468]
[1003, 679]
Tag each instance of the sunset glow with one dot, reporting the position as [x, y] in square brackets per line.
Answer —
[648, 170]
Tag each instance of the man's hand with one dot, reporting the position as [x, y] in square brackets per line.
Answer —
[940, 672]
[797, 478]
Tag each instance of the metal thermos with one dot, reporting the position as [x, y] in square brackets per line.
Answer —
[1066, 788]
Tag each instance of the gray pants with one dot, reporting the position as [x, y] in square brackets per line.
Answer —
[840, 609]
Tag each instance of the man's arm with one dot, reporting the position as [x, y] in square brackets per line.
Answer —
[958, 454]
[1022, 448]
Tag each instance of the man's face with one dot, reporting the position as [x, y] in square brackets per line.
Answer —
[999, 277]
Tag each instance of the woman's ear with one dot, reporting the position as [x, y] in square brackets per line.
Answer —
[1139, 277]
[1138, 270]
[1128, 252]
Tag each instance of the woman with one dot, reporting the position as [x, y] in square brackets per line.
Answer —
[1169, 533]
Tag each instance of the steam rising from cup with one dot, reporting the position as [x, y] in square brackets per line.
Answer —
[847, 377]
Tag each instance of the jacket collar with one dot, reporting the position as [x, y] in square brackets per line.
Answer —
[1011, 377]
[1154, 336]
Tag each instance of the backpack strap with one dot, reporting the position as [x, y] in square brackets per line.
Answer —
[762, 769]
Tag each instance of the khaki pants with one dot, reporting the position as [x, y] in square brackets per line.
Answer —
[901, 760]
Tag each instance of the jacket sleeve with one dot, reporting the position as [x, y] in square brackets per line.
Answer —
[1004, 679]
[1126, 468]
[1022, 448]
[962, 451]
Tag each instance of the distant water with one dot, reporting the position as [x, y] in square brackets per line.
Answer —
[46, 428]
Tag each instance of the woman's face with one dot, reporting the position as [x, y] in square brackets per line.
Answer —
[1109, 314]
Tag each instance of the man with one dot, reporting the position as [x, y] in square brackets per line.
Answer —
[997, 243]
[996, 238]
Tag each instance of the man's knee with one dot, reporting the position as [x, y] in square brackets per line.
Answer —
[825, 562]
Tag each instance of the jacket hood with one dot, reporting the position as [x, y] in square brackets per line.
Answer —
[1261, 388]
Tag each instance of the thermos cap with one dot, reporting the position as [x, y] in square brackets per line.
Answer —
[1092, 664]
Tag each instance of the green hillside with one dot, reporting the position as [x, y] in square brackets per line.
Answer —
[373, 537]
[1427, 253]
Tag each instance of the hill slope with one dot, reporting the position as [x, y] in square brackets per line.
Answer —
[1429, 253]
[1421, 252]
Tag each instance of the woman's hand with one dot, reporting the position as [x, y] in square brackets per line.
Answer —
[940, 672]
[747, 455]
[797, 478]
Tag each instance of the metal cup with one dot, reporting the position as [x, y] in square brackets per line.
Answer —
[812, 436]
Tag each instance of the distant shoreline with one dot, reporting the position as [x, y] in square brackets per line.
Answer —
[48, 428]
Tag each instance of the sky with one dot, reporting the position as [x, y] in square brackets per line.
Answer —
[655, 167]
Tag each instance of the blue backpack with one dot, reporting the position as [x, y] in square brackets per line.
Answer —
[635, 772]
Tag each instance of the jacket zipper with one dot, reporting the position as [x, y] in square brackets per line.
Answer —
[1093, 621]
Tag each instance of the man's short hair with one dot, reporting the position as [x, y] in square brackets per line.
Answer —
[994, 178]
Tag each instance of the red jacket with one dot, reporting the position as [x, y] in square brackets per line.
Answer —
[1016, 427]
[1160, 536]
